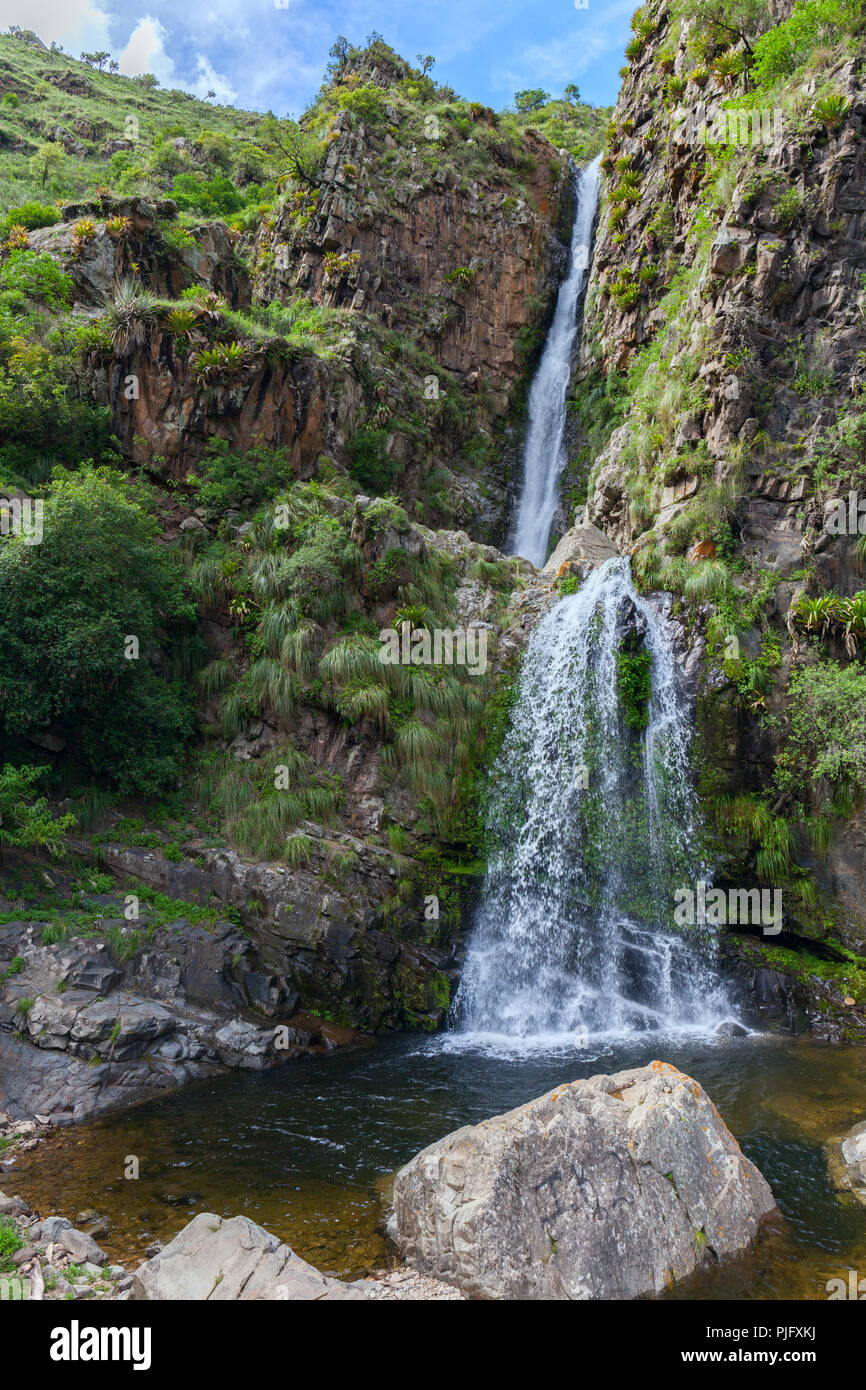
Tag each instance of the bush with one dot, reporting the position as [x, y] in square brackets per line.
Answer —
[816, 762]
[69, 606]
[28, 215]
[214, 197]
[369, 464]
[229, 478]
[366, 102]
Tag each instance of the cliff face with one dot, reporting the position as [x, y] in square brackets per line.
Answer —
[435, 285]
[465, 264]
[720, 400]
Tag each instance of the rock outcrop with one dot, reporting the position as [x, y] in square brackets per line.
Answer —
[225, 1260]
[608, 1188]
[583, 548]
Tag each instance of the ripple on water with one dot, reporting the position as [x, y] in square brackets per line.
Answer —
[308, 1151]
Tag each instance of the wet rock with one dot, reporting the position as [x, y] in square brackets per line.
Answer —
[608, 1188]
[585, 546]
[731, 1029]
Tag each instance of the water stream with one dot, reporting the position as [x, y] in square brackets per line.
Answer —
[544, 451]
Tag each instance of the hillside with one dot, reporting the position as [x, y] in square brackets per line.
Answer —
[272, 360]
[283, 368]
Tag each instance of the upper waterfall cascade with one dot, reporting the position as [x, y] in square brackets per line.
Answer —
[544, 452]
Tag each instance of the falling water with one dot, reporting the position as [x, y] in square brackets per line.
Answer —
[544, 454]
[592, 823]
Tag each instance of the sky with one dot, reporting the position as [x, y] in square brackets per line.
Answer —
[271, 54]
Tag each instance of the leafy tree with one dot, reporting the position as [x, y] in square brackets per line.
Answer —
[47, 160]
[297, 152]
[532, 99]
[25, 820]
[71, 606]
[96, 60]
[572, 94]
[339, 55]
[426, 63]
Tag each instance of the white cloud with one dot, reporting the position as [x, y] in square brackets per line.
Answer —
[145, 52]
[209, 80]
[79, 25]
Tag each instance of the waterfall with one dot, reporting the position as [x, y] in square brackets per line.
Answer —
[591, 822]
[544, 452]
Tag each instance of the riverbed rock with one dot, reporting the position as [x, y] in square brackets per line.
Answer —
[607, 1188]
[224, 1260]
[847, 1162]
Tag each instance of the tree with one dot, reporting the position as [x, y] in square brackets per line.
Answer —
[339, 55]
[298, 152]
[572, 94]
[87, 617]
[114, 66]
[26, 822]
[47, 160]
[531, 100]
[97, 59]
[426, 63]
[729, 21]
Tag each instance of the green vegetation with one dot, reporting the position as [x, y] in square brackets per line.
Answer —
[26, 820]
[634, 685]
[84, 615]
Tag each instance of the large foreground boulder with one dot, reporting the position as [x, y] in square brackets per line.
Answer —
[221, 1260]
[606, 1188]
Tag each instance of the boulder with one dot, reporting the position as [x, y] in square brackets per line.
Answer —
[607, 1188]
[847, 1162]
[584, 546]
[224, 1260]
[81, 1247]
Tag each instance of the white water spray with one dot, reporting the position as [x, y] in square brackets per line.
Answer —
[592, 826]
[544, 453]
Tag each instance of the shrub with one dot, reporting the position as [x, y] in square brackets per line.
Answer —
[634, 685]
[366, 102]
[229, 478]
[369, 463]
[30, 216]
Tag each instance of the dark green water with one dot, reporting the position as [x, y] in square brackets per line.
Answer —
[307, 1150]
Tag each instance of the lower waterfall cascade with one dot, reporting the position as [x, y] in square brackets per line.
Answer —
[592, 824]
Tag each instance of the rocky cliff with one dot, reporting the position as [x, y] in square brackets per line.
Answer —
[721, 403]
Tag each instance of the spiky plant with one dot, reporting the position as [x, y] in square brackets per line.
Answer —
[215, 677]
[417, 743]
[727, 68]
[130, 316]
[831, 110]
[182, 322]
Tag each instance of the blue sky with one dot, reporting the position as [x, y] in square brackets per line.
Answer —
[257, 54]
